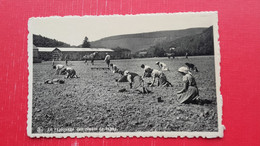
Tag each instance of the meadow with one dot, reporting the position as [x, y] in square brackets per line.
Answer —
[94, 101]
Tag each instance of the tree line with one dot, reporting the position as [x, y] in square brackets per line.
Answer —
[41, 41]
[199, 44]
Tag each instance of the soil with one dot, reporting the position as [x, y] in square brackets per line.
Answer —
[93, 101]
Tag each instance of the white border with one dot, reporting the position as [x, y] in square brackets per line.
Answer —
[221, 127]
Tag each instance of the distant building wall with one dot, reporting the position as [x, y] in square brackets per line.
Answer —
[71, 55]
[35, 53]
[36, 57]
[56, 54]
[45, 56]
[142, 54]
[122, 54]
[62, 54]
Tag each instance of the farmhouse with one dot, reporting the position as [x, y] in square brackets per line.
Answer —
[47, 53]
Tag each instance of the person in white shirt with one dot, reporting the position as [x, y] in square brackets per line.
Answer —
[107, 59]
[52, 62]
[70, 72]
[162, 80]
[58, 68]
[115, 69]
[154, 73]
[162, 66]
[129, 77]
[134, 78]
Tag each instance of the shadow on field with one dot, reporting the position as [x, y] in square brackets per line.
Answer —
[201, 101]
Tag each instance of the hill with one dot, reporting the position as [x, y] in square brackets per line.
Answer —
[41, 41]
[143, 41]
[198, 44]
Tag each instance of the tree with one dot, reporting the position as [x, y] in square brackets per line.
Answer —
[159, 52]
[86, 43]
[41, 41]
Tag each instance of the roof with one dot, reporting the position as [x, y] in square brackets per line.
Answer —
[142, 53]
[48, 49]
[34, 47]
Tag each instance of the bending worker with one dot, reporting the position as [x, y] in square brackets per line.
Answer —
[162, 66]
[154, 73]
[70, 72]
[58, 68]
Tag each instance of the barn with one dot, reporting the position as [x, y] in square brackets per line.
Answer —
[47, 53]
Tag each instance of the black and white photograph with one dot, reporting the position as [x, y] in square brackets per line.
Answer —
[146, 75]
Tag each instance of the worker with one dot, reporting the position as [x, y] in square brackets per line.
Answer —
[190, 90]
[162, 66]
[107, 59]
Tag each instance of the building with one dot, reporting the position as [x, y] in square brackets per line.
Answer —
[142, 54]
[47, 53]
[121, 54]
[36, 58]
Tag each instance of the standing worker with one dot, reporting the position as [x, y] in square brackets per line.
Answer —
[52, 62]
[186, 55]
[66, 60]
[107, 59]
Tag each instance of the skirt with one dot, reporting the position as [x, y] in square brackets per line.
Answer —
[189, 95]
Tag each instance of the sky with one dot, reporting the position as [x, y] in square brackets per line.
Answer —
[73, 29]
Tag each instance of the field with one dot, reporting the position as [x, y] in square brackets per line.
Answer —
[93, 101]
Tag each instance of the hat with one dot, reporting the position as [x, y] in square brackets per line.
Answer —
[126, 72]
[157, 62]
[184, 70]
